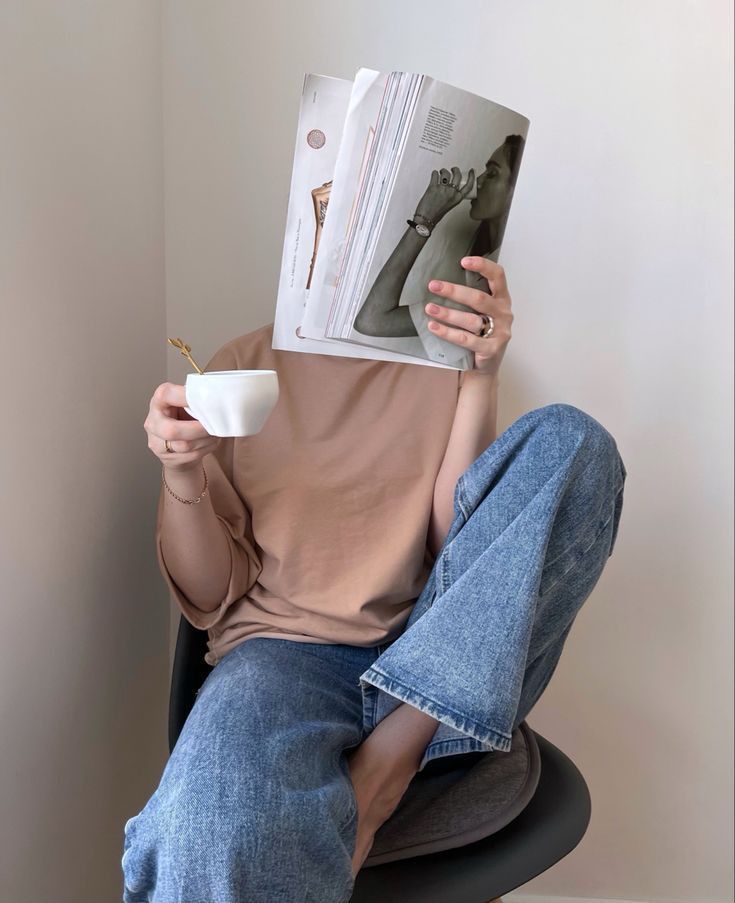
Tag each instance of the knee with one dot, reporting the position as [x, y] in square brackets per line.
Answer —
[575, 431]
[567, 419]
[573, 442]
[185, 851]
[234, 847]
[553, 436]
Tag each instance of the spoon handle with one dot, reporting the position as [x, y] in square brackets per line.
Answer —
[186, 351]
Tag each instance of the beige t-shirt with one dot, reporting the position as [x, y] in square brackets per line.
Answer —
[327, 508]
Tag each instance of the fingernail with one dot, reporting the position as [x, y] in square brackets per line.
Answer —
[435, 285]
[467, 261]
[432, 308]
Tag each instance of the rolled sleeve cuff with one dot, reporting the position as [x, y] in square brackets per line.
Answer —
[240, 572]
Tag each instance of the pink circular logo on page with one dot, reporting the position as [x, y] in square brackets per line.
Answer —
[316, 138]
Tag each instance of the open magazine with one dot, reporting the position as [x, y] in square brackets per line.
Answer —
[415, 174]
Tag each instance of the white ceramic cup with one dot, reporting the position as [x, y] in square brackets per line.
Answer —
[232, 402]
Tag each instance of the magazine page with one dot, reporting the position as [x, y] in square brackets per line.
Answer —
[356, 155]
[325, 102]
[369, 102]
[372, 205]
[322, 112]
[477, 146]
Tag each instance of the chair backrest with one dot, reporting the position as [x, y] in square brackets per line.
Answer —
[188, 674]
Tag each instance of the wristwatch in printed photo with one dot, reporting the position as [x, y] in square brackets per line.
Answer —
[423, 226]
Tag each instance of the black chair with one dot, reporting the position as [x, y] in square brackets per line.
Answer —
[548, 828]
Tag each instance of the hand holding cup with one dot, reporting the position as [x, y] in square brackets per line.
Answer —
[210, 406]
[167, 419]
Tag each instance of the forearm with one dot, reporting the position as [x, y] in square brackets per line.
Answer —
[473, 430]
[394, 273]
[193, 541]
[374, 317]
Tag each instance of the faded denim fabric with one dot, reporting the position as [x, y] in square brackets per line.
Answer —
[255, 804]
[536, 518]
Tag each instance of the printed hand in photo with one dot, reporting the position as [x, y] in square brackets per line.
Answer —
[439, 198]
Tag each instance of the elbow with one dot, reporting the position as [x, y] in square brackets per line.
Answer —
[365, 327]
[370, 319]
[364, 322]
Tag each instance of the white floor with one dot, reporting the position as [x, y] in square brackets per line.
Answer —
[528, 898]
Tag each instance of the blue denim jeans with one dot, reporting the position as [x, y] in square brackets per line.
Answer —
[255, 804]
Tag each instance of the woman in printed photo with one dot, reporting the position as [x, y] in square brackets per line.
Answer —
[380, 314]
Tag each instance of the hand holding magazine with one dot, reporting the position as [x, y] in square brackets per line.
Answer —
[415, 174]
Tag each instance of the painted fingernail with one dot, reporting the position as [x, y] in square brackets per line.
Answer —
[435, 285]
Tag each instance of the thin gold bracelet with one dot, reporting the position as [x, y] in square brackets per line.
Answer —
[178, 497]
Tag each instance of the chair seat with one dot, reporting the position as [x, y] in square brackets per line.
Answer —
[547, 830]
[458, 799]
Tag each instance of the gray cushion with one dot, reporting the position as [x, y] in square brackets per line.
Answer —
[457, 800]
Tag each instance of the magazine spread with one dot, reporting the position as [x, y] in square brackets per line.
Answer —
[419, 174]
[324, 107]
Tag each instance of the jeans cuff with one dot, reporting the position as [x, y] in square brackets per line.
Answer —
[483, 733]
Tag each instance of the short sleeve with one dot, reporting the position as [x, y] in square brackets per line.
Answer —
[233, 514]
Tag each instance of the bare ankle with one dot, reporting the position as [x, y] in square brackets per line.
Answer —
[402, 737]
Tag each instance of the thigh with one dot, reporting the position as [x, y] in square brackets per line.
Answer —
[274, 710]
[258, 765]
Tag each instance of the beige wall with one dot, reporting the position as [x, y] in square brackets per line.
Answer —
[84, 670]
[618, 254]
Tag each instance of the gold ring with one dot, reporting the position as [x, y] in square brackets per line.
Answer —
[168, 447]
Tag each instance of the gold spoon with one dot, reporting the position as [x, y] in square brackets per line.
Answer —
[186, 351]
